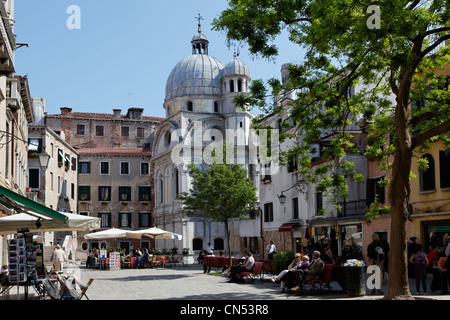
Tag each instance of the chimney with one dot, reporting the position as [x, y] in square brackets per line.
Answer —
[65, 111]
[117, 113]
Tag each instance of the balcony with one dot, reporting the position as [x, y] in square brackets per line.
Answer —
[352, 208]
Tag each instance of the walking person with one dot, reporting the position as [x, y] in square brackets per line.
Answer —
[420, 261]
[272, 250]
[58, 258]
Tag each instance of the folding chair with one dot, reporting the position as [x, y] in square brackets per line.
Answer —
[83, 288]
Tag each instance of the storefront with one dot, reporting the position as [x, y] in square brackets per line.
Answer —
[344, 235]
[431, 229]
[436, 233]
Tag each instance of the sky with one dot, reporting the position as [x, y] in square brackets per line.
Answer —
[123, 51]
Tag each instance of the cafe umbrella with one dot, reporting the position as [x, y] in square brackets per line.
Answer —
[154, 233]
[112, 233]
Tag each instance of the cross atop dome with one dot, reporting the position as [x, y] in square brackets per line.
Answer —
[199, 18]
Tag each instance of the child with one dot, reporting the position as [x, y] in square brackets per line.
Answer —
[420, 260]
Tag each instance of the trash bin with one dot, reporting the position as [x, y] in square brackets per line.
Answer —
[355, 281]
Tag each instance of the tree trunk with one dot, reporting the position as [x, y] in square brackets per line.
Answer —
[228, 243]
[399, 191]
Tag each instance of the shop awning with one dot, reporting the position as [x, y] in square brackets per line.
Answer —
[10, 224]
[21, 204]
[287, 227]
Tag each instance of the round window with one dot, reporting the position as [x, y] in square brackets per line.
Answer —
[84, 246]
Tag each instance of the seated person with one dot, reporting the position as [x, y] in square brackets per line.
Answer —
[313, 272]
[91, 259]
[296, 262]
[292, 274]
[201, 256]
[246, 266]
[4, 278]
[143, 259]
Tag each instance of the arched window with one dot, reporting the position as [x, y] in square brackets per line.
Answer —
[177, 182]
[444, 168]
[190, 106]
[239, 85]
[216, 106]
[197, 244]
[427, 180]
[218, 244]
[231, 85]
[161, 190]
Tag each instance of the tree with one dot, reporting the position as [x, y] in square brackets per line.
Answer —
[391, 50]
[221, 191]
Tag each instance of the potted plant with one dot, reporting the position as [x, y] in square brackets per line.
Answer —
[60, 164]
[185, 251]
[174, 250]
[33, 154]
[156, 251]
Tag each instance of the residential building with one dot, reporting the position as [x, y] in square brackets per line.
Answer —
[15, 115]
[56, 185]
[114, 173]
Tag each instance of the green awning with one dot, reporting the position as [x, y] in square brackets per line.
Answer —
[21, 204]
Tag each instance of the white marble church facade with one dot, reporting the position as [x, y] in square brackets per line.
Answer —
[198, 98]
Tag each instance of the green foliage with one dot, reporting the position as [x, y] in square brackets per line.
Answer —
[221, 191]
[342, 52]
[283, 260]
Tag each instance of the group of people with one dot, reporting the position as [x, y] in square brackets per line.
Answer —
[421, 263]
[141, 257]
[300, 270]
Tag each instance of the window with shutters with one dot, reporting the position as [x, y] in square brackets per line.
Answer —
[104, 193]
[144, 193]
[444, 168]
[268, 212]
[426, 177]
[84, 193]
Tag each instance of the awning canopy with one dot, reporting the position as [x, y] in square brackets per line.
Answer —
[21, 204]
[154, 233]
[112, 233]
[75, 222]
[287, 227]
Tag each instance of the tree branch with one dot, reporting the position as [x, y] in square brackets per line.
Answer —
[432, 47]
[437, 30]
[296, 20]
[422, 118]
[414, 4]
[421, 138]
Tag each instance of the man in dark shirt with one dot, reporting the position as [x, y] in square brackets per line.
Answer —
[377, 252]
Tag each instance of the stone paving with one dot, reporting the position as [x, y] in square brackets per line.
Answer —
[189, 283]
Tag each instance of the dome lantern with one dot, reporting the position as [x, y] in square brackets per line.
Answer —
[199, 41]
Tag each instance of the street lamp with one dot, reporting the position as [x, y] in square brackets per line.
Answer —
[299, 185]
[44, 158]
[282, 199]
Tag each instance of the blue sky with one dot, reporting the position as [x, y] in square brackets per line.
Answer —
[123, 53]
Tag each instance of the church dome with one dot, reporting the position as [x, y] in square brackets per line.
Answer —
[235, 67]
[198, 74]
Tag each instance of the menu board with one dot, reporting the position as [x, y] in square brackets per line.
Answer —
[114, 261]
